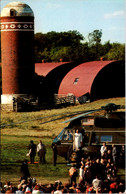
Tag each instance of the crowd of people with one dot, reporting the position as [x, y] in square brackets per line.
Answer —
[88, 175]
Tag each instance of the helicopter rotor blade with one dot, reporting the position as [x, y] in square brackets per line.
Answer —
[73, 114]
[108, 107]
[82, 115]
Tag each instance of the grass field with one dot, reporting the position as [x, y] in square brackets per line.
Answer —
[25, 126]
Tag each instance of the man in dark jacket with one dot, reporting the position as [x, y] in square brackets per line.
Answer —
[24, 170]
[32, 151]
[54, 147]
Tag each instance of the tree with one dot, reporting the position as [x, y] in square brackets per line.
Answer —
[60, 53]
[95, 37]
[107, 47]
[95, 46]
[55, 45]
[117, 52]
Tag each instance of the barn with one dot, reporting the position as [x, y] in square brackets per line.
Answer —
[90, 80]
[53, 75]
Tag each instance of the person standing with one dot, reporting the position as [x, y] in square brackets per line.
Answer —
[41, 150]
[24, 170]
[81, 173]
[32, 151]
[122, 156]
[73, 174]
[97, 184]
[54, 154]
[103, 148]
[114, 153]
[78, 140]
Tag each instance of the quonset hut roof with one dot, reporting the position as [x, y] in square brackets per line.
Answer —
[44, 68]
[54, 74]
[79, 80]
[100, 79]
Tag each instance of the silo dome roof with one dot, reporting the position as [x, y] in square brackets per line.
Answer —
[20, 8]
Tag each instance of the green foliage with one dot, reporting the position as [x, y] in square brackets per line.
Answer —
[117, 52]
[68, 46]
[59, 53]
[95, 37]
[54, 46]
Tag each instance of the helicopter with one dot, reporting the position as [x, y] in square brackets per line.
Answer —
[95, 129]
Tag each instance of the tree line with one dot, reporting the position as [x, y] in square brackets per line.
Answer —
[73, 46]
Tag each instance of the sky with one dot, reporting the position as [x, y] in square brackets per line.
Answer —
[85, 16]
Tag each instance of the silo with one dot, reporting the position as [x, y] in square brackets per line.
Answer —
[17, 51]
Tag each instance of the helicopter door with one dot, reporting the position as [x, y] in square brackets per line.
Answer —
[86, 138]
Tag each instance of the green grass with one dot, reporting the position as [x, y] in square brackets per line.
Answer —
[15, 140]
[13, 152]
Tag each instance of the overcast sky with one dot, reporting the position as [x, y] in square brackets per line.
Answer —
[84, 16]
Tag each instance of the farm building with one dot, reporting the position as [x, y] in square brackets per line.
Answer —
[94, 80]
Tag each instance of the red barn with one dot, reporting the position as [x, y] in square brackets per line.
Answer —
[94, 80]
[97, 79]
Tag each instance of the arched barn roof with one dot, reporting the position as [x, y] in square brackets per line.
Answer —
[80, 79]
[53, 78]
[44, 68]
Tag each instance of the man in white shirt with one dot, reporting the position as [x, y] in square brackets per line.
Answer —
[41, 150]
[103, 148]
[114, 153]
[97, 183]
[78, 140]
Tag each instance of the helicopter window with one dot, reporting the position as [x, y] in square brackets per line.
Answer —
[95, 139]
[60, 135]
[68, 136]
[106, 138]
